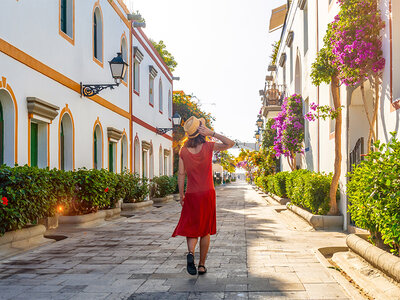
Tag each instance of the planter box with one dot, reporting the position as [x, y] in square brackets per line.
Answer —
[14, 242]
[88, 219]
[137, 205]
[384, 261]
[318, 221]
[281, 201]
[163, 199]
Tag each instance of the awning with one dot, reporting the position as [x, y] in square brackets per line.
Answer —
[277, 18]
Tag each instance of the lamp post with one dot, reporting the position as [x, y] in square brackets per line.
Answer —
[118, 69]
[176, 121]
[260, 122]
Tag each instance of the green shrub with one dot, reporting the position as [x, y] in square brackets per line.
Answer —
[269, 184]
[94, 190]
[162, 186]
[374, 192]
[32, 194]
[279, 181]
[310, 190]
[137, 188]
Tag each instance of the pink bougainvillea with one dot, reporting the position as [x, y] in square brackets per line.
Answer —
[356, 41]
[289, 125]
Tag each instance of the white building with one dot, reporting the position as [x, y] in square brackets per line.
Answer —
[302, 37]
[47, 48]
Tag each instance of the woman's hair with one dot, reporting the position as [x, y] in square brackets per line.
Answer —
[192, 143]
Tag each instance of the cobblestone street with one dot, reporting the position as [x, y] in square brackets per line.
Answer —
[257, 253]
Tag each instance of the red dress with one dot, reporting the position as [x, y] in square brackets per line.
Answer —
[198, 216]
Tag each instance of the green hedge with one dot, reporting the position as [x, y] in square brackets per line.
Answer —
[304, 188]
[279, 184]
[374, 194]
[34, 193]
[136, 188]
[163, 186]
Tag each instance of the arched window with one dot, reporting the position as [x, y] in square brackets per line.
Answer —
[7, 129]
[169, 104]
[151, 162]
[124, 153]
[124, 52]
[160, 162]
[97, 35]
[66, 143]
[160, 97]
[97, 148]
[137, 156]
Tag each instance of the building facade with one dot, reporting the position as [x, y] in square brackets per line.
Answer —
[47, 49]
[302, 37]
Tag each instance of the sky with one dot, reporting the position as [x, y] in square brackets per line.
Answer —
[222, 48]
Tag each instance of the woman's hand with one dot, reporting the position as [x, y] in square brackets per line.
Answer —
[203, 130]
[182, 201]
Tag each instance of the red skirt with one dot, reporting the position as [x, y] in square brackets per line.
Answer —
[198, 216]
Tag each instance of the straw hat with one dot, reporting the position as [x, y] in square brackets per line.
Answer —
[191, 125]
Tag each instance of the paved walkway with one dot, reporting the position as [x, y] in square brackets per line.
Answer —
[257, 253]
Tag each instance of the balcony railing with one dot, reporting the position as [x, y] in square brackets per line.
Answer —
[272, 99]
[274, 94]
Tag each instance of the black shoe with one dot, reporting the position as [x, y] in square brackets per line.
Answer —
[191, 267]
[202, 272]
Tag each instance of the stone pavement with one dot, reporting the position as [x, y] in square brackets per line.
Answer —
[257, 253]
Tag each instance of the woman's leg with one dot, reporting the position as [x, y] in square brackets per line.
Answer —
[191, 243]
[204, 245]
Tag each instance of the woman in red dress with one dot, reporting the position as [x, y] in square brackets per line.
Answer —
[198, 216]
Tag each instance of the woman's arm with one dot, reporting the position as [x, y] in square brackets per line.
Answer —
[226, 142]
[181, 180]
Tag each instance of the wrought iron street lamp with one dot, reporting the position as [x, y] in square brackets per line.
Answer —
[176, 121]
[257, 135]
[260, 123]
[118, 69]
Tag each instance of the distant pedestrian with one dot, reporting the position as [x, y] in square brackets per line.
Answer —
[198, 216]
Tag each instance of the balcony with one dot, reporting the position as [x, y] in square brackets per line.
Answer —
[272, 99]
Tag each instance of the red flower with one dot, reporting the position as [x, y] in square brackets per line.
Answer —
[106, 190]
[5, 200]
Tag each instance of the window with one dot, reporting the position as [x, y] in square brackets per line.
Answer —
[137, 59]
[136, 76]
[165, 165]
[144, 164]
[34, 144]
[67, 19]
[97, 148]
[137, 156]
[169, 104]
[1, 135]
[305, 28]
[124, 53]
[151, 90]
[284, 73]
[151, 163]
[160, 162]
[8, 115]
[111, 156]
[98, 36]
[152, 75]
[124, 154]
[160, 97]
[66, 143]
